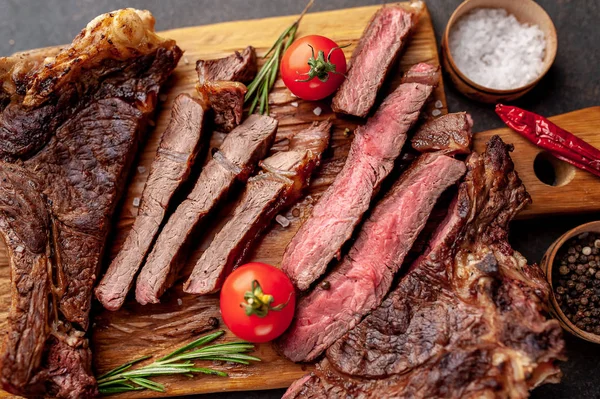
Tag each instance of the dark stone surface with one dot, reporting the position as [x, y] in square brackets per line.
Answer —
[572, 83]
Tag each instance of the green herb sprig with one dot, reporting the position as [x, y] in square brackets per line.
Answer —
[258, 90]
[125, 379]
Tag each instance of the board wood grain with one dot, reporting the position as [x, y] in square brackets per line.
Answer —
[575, 191]
[137, 330]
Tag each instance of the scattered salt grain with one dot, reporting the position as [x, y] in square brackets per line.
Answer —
[19, 249]
[495, 50]
[136, 202]
[439, 104]
[141, 169]
[179, 301]
[186, 61]
[317, 111]
[294, 104]
[11, 42]
[436, 112]
[162, 97]
[282, 220]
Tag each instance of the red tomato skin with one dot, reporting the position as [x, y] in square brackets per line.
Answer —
[253, 328]
[294, 65]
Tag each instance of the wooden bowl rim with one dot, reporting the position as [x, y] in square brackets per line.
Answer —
[591, 227]
[498, 92]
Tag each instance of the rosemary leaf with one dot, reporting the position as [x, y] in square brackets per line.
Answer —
[148, 384]
[258, 90]
[178, 362]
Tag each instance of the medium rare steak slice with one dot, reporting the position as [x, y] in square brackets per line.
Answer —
[220, 82]
[238, 67]
[371, 158]
[285, 175]
[73, 123]
[234, 161]
[180, 143]
[450, 134]
[360, 282]
[468, 319]
[379, 47]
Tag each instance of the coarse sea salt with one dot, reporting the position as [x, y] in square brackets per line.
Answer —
[317, 111]
[495, 50]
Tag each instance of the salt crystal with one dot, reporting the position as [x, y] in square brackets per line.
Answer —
[141, 169]
[19, 249]
[294, 104]
[439, 104]
[317, 111]
[282, 220]
[136, 202]
[162, 97]
[179, 301]
[495, 50]
[186, 61]
[436, 112]
[11, 42]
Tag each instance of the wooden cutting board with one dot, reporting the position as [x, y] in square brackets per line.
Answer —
[135, 330]
[567, 189]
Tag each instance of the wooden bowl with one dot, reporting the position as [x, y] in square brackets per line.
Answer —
[547, 265]
[525, 11]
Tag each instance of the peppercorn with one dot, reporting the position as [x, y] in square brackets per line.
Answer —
[571, 259]
[580, 270]
[564, 270]
[570, 283]
[584, 301]
[560, 290]
[586, 251]
[326, 285]
[587, 313]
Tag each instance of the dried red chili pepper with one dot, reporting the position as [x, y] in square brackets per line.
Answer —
[557, 141]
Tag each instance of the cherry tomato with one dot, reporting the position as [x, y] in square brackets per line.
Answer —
[258, 302]
[313, 67]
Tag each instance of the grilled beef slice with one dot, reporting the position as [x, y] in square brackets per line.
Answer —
[468, 319]
[371, 158]
[180, 143]
[285, 174]
[234, 161]
[238, 67]
[379, 47]
[450, 134]
[360, 282]
[220, 81]
[73, 123]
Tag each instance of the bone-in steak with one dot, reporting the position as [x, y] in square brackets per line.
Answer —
[285, 174]
[374, 149]
[450, 134]
[374, 56]
[468, 320]
[71, 128]
[360, 282]
[180, 143]
[234, 161]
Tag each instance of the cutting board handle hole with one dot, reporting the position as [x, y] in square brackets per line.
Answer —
[552, 171]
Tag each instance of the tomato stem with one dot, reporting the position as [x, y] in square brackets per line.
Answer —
[258, 303]
[319, 66]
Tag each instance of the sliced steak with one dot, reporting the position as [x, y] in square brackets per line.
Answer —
[450, 134]
[238, 67]
[449, 329]
[220, 82]
[372, 154]
[379, 47]
[73, 124]
[179, 146]
[285, 175]
[235, 161]
[360, 282]
[226, 99]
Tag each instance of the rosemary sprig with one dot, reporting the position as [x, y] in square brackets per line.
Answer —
[180, 361]
[258, 90]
